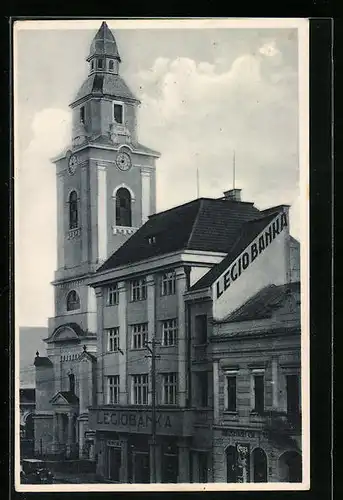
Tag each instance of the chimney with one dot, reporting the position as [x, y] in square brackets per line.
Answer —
[233, 195]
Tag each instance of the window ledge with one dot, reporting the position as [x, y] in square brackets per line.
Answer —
[201, 345]
[124, 229]
[112, 305]
[231, 413]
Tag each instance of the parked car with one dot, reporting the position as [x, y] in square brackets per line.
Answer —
[34, 471]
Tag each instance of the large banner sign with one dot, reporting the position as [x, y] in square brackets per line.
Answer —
[260, 264]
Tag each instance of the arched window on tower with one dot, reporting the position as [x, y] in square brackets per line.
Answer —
[111, 65]
[72, 383]
[123, 208]
[73, 211]
[73, 301]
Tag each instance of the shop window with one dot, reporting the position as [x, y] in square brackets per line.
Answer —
[259, 459]
[169, 388]
[123, 208]
[138, 290]
[168, 281]
[113, 389]
[258, 380]
[201, 329]
[231, 464]
[118, 114]
[113, 339]
[73, 210]
[230, 393]
[73, 301]
[112, 295]
[114, 463]
[140, 389]
[139, 335]
[203, 467]
[169, 332]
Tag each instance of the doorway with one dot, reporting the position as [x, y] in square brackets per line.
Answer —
[170, 464]
[290, 467]
[114, 463]
[141, 467]
[231, 464]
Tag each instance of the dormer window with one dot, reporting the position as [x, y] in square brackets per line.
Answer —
[118, 112]
[100, 64]
[151, 240]
[111, 65]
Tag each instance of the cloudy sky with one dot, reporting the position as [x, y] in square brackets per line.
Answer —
[205, 93]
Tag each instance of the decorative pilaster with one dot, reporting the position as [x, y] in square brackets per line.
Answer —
[181, 286]
[84, 201]
[123, 342]
[215, 392]
[275, 383]
[102, 212]
[61, 206]
[101, 347]
[146, 193]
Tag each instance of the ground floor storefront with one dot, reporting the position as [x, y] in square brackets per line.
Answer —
[247, 456]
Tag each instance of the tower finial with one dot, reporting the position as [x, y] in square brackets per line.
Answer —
[234, 170]
[198, 187]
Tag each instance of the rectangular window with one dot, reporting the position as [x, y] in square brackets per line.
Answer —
[138, 290]
[201, 329]
[113, 339]
[139, 335]
[113, 389]
[202, 383]
[82, 114]
[140, 389]
[112, 295]
[259, 393]
[293, 394]
[100, 63]
[118, 113]
[168, 283]
[231, 396]
[169, 332]
[169, 389]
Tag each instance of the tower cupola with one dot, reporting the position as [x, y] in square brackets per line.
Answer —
[103, 53]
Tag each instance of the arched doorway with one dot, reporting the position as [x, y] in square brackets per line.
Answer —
[259, 459]
[231, 464]
[290, 467]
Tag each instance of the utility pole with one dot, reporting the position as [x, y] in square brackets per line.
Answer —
[153, 356]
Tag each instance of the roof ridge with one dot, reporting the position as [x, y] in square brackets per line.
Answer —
[174, 208]
[196, 220]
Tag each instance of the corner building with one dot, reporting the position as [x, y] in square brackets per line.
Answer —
[105, 191]
[161, 287]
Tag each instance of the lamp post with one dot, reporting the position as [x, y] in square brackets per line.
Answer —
[153, 356]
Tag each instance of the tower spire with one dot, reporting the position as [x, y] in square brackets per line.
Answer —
[104, 44]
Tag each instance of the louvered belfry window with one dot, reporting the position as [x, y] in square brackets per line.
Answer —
[123, 208]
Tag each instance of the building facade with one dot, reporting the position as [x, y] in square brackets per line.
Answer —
[27, 406]
[156, 415]
[105, 191]
[153, 369]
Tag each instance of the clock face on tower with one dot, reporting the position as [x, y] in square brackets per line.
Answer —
[123, 161]
[72, 164]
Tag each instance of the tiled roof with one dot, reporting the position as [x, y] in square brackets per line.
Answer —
[203, 224]
[70, 397]
[104, 43]
[244, 235]
[264, 303]
[105, 84]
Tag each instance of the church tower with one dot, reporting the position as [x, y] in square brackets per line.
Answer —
[105, 181]
[105, 191]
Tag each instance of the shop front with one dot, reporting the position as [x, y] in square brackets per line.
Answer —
[125, 448]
